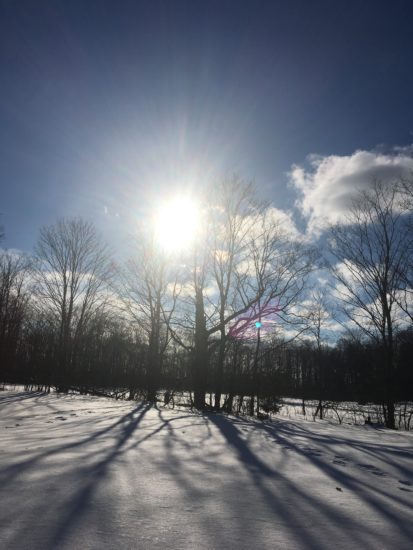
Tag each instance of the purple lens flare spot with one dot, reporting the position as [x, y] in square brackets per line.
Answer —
[252, 318]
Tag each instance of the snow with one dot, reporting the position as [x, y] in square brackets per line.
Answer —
[80, 472]
[347, 412]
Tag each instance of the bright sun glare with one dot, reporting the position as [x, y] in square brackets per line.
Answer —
[176, 223]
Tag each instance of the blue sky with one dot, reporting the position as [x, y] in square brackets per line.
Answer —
[106, 105]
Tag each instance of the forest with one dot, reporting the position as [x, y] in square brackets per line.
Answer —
[250, 310]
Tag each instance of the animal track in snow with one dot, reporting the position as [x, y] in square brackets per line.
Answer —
[404, 482]
[372, 469]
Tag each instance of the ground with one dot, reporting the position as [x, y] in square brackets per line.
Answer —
[81, 472]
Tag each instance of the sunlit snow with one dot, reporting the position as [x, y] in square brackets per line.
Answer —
[94, 473]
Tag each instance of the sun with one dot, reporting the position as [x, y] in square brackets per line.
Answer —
[177, 223]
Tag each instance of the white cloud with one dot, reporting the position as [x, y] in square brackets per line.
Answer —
[281, 220]
[330, 184]
[285, 220]
[14, 253]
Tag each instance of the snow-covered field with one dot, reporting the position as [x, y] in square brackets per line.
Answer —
[82, 472]
[347, 412]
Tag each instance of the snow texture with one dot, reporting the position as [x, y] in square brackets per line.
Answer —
[82, 472]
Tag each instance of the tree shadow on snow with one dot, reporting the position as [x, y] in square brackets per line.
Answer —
[286, 503]
[275, 489]
[95, 474]
[88, 477]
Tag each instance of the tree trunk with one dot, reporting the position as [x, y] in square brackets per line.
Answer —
[255, 381]
[390, 417]
[200, 357]
[220, 370]
[229, 403]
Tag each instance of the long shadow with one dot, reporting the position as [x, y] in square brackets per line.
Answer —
[376, 451]
[8, 474]
[304, 500]
[95, 474]
[260, 474]
[245, 455]
[18, 397]
[346, 480]
[265, 478]
[287, 430]
[90, 476]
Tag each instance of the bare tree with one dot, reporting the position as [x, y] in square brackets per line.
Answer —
[244, 262]
[274, 283]
[404, 295]
[233, 214]
[317, 317]
[72, 271]
[13, 304]
[145, 287]
[371, 248]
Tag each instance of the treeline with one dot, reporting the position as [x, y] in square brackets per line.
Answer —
[242, 314]
[115, 359]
